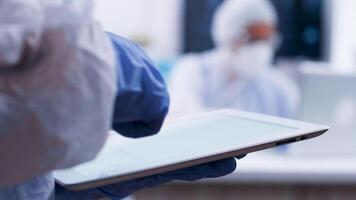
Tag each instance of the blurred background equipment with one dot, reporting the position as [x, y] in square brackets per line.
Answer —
[329, 98]
[310, 29]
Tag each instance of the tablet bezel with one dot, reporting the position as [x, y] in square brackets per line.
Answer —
[303, 131]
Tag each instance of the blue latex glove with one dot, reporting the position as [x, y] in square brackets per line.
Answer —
[141, 106]
[122, 190]
[142, 101]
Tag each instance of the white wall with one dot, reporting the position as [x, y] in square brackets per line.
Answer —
[157, 20]
[343, 34]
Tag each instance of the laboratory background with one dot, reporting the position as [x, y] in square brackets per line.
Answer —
[287, 58]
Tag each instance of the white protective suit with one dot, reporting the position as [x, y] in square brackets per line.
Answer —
[243, 80]
[204, 82]
[57, 90]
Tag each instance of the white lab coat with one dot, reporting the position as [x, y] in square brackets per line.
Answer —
[202, 82]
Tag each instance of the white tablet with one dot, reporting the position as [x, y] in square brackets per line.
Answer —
[184, 143]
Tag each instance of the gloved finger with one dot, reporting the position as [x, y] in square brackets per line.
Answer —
[136, 129]
[64, 194]
[124, 189]
[209, 170]
[115, 191]
[241, 156]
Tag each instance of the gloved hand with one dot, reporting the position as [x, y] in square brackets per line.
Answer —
[142, 100]
[122, 190]
[141, 106]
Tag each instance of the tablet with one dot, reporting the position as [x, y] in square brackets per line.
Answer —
[184, 143]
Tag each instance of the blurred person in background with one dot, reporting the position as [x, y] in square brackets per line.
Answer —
[239, 72]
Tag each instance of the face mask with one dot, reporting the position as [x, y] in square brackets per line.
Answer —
[253, 58]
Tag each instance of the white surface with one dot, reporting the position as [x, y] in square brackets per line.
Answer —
[186, 140]
[261, 168]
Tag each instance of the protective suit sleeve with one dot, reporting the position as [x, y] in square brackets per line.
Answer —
[142, 100]
[57, 87]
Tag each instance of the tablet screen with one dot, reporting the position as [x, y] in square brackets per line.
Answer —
[180, 141]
